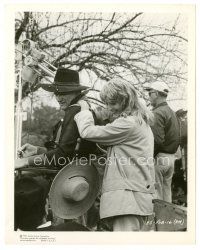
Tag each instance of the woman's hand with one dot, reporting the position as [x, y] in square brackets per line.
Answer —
[20, 163]
[84, 105]
[27, 150]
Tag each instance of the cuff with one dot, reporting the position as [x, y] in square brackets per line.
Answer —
[36, 160]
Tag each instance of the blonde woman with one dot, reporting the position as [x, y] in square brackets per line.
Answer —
[128, 183]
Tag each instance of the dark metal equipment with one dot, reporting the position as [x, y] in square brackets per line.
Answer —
[169, 217]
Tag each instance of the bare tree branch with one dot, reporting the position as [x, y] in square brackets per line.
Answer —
[22, 27]
[110, 44]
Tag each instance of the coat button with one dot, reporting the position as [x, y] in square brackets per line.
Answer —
[148, 186]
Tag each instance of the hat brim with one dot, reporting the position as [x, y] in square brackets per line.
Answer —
[62, 89]
[147, 88]
[65, 208]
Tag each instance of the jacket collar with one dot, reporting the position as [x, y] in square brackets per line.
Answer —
[160, 104]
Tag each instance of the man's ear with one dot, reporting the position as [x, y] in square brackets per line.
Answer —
[156, 93]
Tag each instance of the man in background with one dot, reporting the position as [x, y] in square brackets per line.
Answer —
[166, 138]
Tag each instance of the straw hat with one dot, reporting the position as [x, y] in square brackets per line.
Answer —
[74, 190]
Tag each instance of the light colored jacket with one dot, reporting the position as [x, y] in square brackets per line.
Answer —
[130, 151]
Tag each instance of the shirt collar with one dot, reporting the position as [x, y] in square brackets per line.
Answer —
[47, 224]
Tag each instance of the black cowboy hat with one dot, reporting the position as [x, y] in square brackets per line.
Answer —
[65, 81]
[31, 189]
[30, 198]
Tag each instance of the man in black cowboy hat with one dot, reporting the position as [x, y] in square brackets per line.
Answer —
[59, 152]
[68, 92]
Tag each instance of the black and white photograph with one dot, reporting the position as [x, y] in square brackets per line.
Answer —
[102, 111]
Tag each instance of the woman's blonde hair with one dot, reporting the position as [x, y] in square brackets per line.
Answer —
[120, 91]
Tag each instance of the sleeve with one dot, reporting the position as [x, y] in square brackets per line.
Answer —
[108, 135]
[41, 150]
[158, 129]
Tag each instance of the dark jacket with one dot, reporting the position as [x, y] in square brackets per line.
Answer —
[64, 151]
[165, 130]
